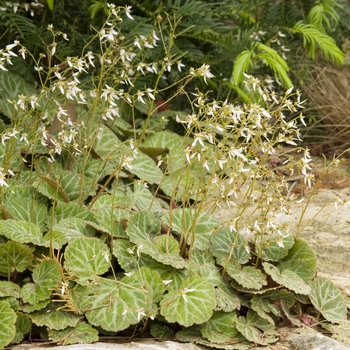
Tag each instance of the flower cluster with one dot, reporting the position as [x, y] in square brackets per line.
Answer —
[237, 147]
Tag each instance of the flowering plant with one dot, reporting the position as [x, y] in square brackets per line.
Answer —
[110, 206]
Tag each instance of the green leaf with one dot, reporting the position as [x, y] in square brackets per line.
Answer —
[256, 329]
[105, 308]
[83, 333]
[121, 250]
[12, 85]
[226, 299]
[322, 14]
[20, 231]
[200, 257]
[70, 183]
[327, 299]
[46, 277]
[274, 248]
[28, 308]
[51, 189]
[167, 272]
[145, 200]
[142, 290]
[248, 276]
[195, 225]
[161, 331]
[177, 184]
[50, 4]
[243, 62]
[287, 278]
[145, 168]
[23, 326]
[313, 38]
[56, 239]
[264, 307]
[86, 258]
[191, 336]
[28, 210]
[221, 328]
[9, 289]
[107, 143]
[302, 260]
[7, 324]
[227, 245]
[174, 143]
[192, 304]
[68, 210]
[73, 228]
[55, 319]
[14, 257]
[143, 229]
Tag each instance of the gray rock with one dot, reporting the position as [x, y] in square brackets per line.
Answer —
[315, 342]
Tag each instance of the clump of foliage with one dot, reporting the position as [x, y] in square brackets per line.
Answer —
[262, 38]
[108, 201]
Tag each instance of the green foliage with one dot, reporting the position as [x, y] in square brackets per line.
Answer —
[108, 202]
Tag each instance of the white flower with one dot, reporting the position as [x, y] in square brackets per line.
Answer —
[139, 96]
[188, 151]
[140, 314]
[179, 65]
[22, 51]
[90, 57]
[150, 94]
[64, 286]
[53, 49]
[127, 162]
[139, 249]
[2, 179]
[199, 137]
[127, 11]
[204, 72]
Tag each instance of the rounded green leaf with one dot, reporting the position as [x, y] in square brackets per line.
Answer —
[327, 299]
[287, 278]
[14, 256]
[302, 260]
[20, 231]
[229, 245]
[256, 329]
[87, 258]
[146, 169]
[23, 326]
[9, 289]
[7, 324]
[197, 223]
[274, 248]
[55, 319]
[46, 277]
[105, 308]
[83, 333]
[192, 304]
[142, 291]
[221, 328]
[225, 297]
[143, 229]
[248, 276]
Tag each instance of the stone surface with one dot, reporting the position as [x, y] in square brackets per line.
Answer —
[144, 345]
